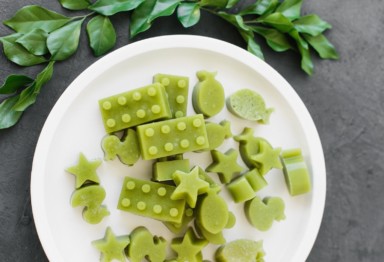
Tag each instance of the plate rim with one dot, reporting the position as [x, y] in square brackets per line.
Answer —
[165, 42]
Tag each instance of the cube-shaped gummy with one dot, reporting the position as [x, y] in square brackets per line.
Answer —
[150, 199]
[177, 90]
[135, 107]
[174, 136]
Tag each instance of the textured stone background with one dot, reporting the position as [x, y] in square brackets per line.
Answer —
[345, 98]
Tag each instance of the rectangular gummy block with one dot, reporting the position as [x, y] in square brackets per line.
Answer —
[177, 90]
[135, 107]
[174, 136]
[150, 199]
[163, 171]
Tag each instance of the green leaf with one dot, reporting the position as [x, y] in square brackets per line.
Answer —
[261, 7]
[322, 46]
[75, 4]
[36, 17]
[17, 53]
[290, 8]
[28, 96]
[188, 14]
[252, 46]
[35, 42]
[275, 39]
[214, 3]
[311, 24]
[63, 42]
[278, 21]
[306, 62]
[15, 82]
[148, 11]
[236, 20]
[101, 34]
[111, 7]
[231, 3]
[8, 116]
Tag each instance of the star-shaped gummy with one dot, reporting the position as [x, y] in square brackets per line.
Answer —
[268, 157]
[111, 246]
[85, 171]
[225, 165]
[189, 186]
[188, 248]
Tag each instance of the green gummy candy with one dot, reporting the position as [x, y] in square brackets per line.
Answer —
[135, 107]
[217, 133]
[225, 165]
[85, 171]
[295, 172]
[212, 184]
[216, 239]
[188, 248]
[208, 96]
[262, 213]
[90, 197]
[189, 186]
[177, 228]
[244, 187]
[177, 91]
[111, 246]
[241, 250]
[150, 199]
[146, 246]
[257, 152]
[171, 137]
[163, 171]
[250, 105]
[127, 150]
[212, 213]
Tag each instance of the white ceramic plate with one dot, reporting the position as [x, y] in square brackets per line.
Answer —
[75, 125]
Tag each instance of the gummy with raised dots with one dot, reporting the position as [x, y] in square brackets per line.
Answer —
[177, 90]
[135, 107]
[150, 199]
[171, 137]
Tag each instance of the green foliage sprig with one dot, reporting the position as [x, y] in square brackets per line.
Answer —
[44, 36]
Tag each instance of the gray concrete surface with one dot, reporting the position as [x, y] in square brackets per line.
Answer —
[345, 98]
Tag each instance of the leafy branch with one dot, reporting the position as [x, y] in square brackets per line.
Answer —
[43, 36]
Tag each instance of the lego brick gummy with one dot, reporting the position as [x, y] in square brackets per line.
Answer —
[85, 171]
[174, 136]
[249, 105]
[225, 165]
[295, 172]
[145, 246]
[150, 199]
[189, 247]
[188, 186]
[91, 198]
[208, 96]
[262, 213]
[112, 247]
[245, 186]
[127, 150]
[135, 107]
[241, 250]
[163, 171]
[177, 90]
